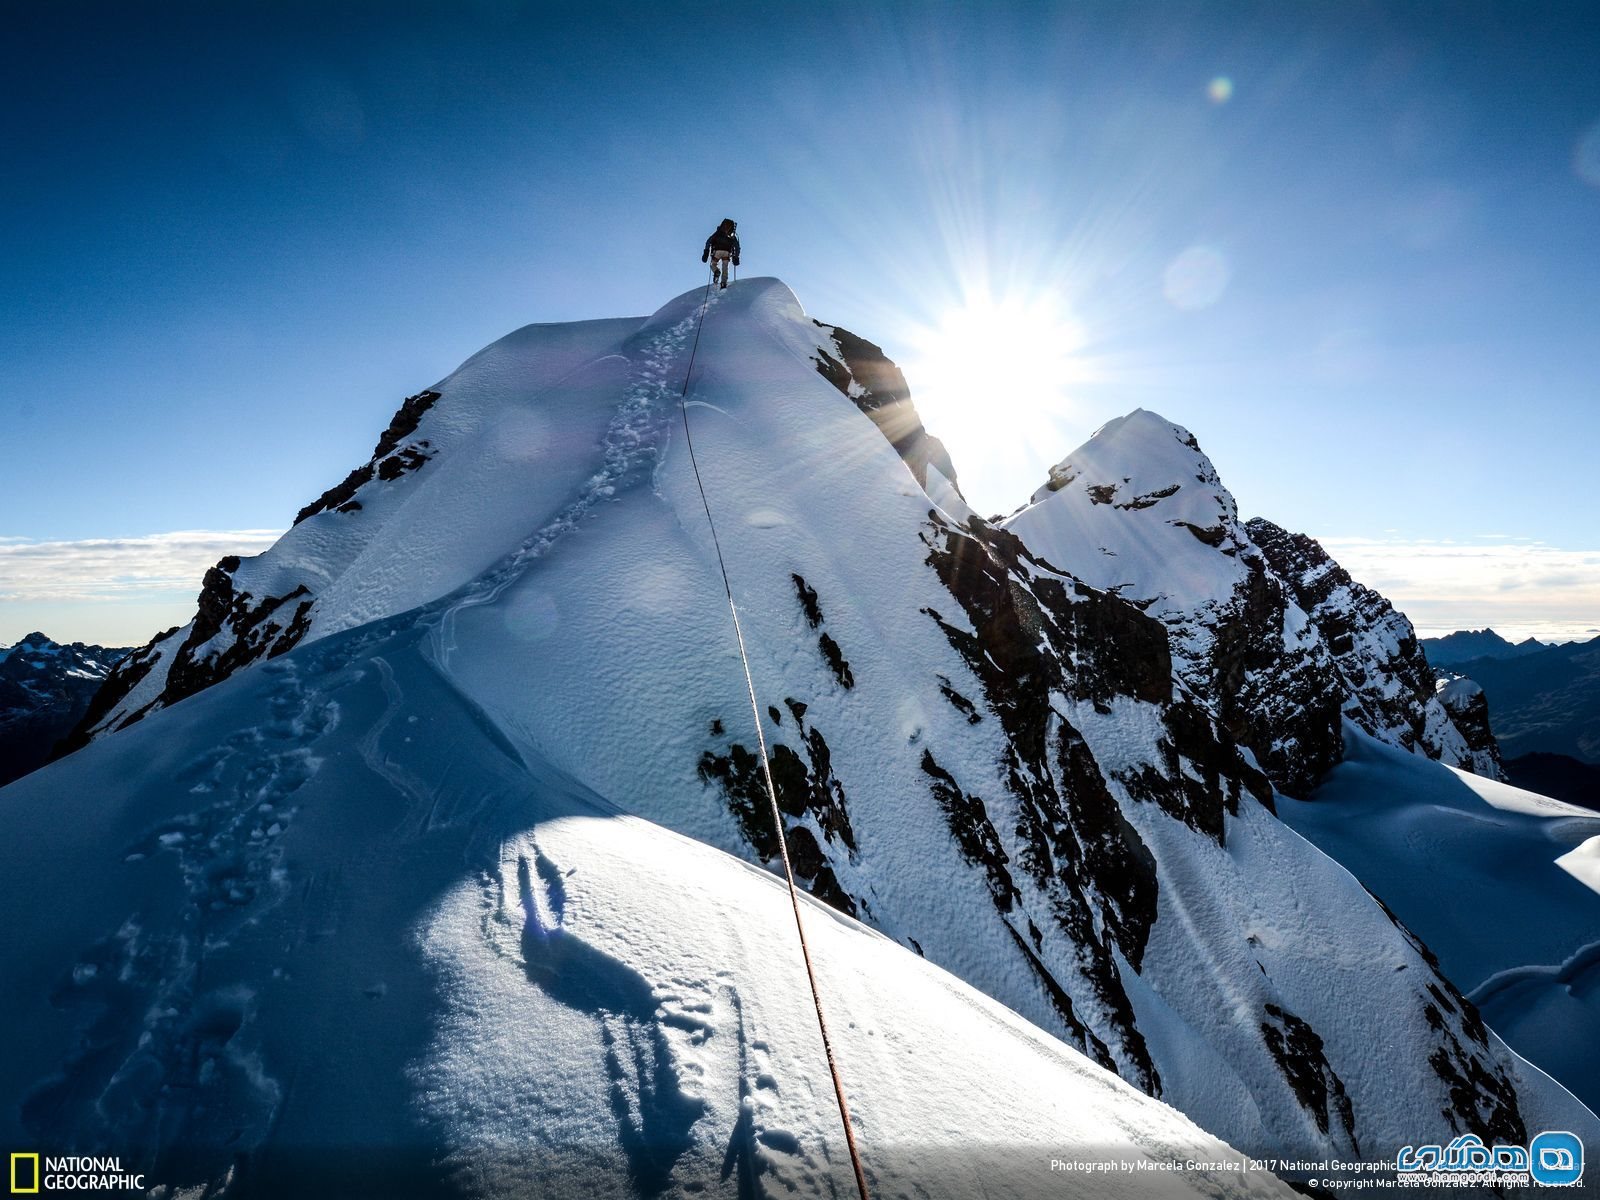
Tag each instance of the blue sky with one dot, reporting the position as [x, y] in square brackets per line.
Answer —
[1354, 247]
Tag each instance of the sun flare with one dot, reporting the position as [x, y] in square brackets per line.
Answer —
[993, 376]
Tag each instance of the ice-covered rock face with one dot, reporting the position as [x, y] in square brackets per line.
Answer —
[1272, 634]
[1139, 511]
[1031, 765]
[1469, 714]
[1389, 687]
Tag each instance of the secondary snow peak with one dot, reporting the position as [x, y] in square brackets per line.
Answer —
[1266, 629]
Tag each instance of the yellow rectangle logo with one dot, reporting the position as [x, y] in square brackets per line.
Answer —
[16, 1185]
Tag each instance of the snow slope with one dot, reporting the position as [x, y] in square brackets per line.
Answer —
[369, 921]
[982, 756]
[1500, 884]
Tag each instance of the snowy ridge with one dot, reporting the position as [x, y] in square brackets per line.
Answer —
[386, 539]
[981, 753]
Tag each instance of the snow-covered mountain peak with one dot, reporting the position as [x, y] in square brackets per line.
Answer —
[1139, 509]
[1032, 768]
[1133, 462]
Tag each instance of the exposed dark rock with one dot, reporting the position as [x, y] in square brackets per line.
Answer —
[1388, 687]
[969, 824]
[125, 676]
[1076, 847]
[1151, 499]
[862, 372]
[249, 630]
[1060, 476]
[808, 600]
[385, 462]
[1286, 707]
[1482, 1101]
[1469, 711]
[1234, 637]
[231, 630]
[805, 785]
[1102, 493]
[1211, 535]
[1062, 1003]
[1198, 803]
[959, 702]
[836, 661]
[1298, 1051]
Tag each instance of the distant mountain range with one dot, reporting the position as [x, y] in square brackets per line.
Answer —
[45, 688]
[1544, 705]
[1465, 645]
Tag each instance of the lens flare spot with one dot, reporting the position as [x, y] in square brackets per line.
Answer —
[1196, 278]
[531, 615]
[1220, 90]
[1586, 156]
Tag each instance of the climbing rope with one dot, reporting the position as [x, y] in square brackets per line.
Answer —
[766, 767]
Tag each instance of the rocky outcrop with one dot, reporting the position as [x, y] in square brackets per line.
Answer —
[390, 459]
[870, 378]
[1389, 688]
[1469, 713]
[1547, 701]
[237, 624]
[232, 629]
[1267, 631]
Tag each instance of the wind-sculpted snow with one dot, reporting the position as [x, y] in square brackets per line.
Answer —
[1477, 869]
[982, 752]
[364, 947]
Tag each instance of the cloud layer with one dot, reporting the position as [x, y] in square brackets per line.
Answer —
[1517, 586]
[111, 591]
[119, 569]
[1520, 587]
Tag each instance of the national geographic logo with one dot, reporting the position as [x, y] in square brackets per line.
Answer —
[32, 1174]
[24, 1174]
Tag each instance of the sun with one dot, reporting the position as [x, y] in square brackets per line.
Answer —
[993, 377]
